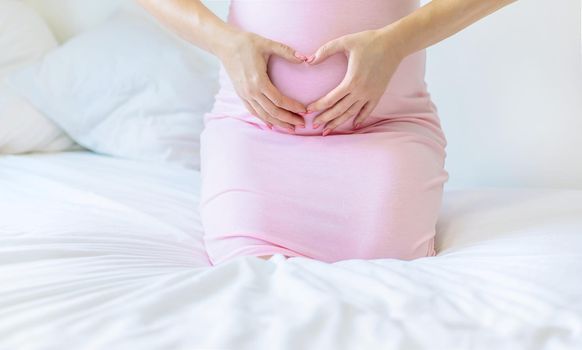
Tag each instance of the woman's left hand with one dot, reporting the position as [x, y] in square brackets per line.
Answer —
[372, 60]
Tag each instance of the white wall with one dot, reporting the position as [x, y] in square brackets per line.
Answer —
[509, 92]
[68, 17]
[508, 89]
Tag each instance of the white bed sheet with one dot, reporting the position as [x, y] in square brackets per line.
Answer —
[104, 253]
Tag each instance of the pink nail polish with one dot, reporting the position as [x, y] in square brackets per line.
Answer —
[326, 131]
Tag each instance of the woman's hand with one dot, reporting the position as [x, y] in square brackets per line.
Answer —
[372, 60]
[245, 58]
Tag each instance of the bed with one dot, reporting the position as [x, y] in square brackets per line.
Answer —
[99, 252]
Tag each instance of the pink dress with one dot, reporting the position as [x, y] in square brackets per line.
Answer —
[369, 193]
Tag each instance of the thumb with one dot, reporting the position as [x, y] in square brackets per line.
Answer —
[328, 49]
[286, 52]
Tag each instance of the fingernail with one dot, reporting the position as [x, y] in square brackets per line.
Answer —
[358, 124]
[310, 59]
[326, 131]
[292, 129]
[315, 125]
[301, 57]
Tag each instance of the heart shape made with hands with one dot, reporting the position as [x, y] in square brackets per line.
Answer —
[307, 83]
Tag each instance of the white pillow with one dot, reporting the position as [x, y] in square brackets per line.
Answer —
[24, 38]
[24, 130]
[128, 88]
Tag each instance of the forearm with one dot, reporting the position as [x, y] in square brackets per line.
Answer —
[193, 21]
[436, 21]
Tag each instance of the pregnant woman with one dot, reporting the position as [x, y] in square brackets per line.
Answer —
[323, 141]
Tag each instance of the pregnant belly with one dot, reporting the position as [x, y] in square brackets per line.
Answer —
[305, 26]
[307, 83]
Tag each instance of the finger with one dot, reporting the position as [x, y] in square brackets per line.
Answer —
[285, 52]
[268, 117]
[261, 113]
[281, 100]
[279, 113]
[331, 98]
[364, 113]
[255, 113]
[250, 108]
[328, 49]
[351, 112]
[335, 111]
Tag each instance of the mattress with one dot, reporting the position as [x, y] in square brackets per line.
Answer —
[105, 253]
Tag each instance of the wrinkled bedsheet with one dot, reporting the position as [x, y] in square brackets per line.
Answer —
[105, 253]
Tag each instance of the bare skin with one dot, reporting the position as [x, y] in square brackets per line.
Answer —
[373, 57]
[244, 55]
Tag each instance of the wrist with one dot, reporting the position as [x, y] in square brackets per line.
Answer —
[223, 40]
[394, 41]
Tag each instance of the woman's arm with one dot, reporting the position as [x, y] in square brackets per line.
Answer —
[438, 20]
[374, 55]
[243, 54]
[192, 21]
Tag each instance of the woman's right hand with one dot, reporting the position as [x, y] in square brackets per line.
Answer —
[245, 56]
